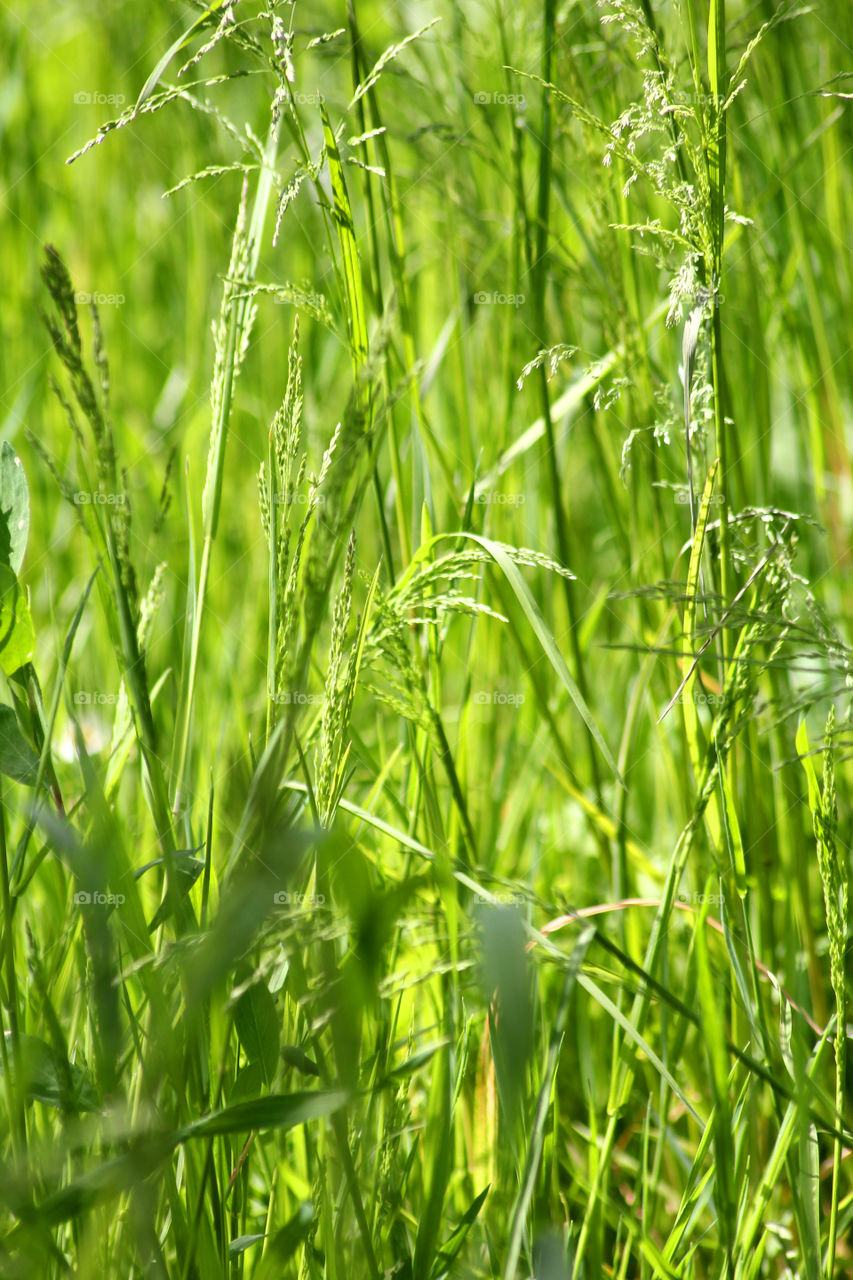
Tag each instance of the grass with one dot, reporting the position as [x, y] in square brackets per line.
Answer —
[424, 571]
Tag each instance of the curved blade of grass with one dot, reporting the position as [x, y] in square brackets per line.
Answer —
[277, 1111]
[543, 632]
[240, 310]
[537, 1137]
[715, 1043]
[438, 1162]
[182, 40]
[356, 320]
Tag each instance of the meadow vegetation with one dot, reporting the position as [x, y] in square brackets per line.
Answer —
[425, 565]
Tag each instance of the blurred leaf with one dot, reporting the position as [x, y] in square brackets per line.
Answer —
[248, 1084]
[17, 639]
[417, 1060]
[285, 1242]
[187, 868]
[46, 1078]
[506, 976]
[258, 1028]
[809, 1180]
[242, 1243]
[718, 1075]
[279, 1111]
[295, 1056]
[437, 1162]
[456, 1239]
[14, 508]
[113, 1177]
[18, 760]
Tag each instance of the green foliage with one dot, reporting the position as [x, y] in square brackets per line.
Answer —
[411, 641]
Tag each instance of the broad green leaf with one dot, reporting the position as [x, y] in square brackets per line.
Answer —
[45, 1078]
[507, 980]
[258, 1028]
[17, 639]
[18, 760]
[249, 1084]
[242, 1243]
[417, 1060]
[295, 1056]
[187, 868]
[14, 508]
[278, 1111]
[114, 1177]
[456, 1239]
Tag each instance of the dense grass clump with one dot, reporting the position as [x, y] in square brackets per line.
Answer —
[426, 701]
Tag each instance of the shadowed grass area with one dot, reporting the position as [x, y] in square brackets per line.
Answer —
[424, 581]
